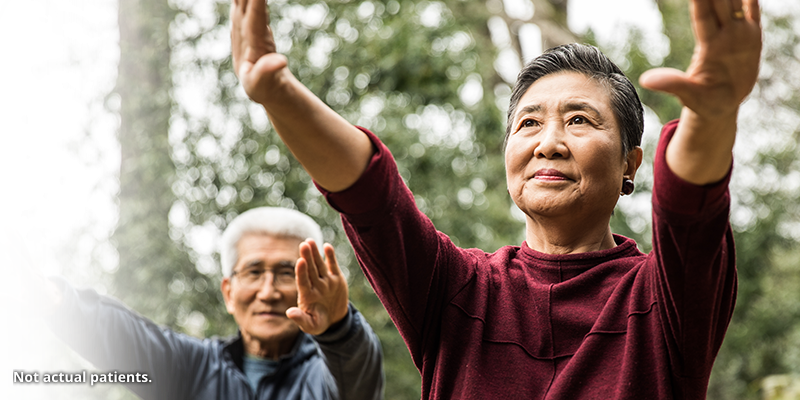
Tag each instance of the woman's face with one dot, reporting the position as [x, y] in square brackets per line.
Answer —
[564, 155]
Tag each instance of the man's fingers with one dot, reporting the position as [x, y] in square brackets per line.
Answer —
[315, 254]
[307, 252]
[301, 276]
[302, 319]
[333, 264]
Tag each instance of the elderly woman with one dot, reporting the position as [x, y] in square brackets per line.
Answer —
[575, 312]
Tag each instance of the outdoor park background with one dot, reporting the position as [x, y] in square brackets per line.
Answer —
[125, 148]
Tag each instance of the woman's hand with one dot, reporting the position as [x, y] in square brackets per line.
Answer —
[724, 66]
[39, 297]
[723, 71]
[322, 295]
[260, 69]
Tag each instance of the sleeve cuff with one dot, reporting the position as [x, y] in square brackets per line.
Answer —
[369, 194]
[340, 330]
[676, 195]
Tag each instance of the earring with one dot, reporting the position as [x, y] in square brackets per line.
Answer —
[627, 186]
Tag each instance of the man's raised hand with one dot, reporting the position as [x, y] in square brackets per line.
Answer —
[39, 297]
[322, 295]
[255, 62]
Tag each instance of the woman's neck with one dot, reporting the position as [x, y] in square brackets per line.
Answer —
[565, 236]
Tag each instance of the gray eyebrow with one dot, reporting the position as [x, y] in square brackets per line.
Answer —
[570, 106]
[580, 106]
[529, 109]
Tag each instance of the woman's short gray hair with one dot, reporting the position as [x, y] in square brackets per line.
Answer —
[274, 221]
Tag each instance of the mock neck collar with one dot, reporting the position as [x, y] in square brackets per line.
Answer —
[556, 268]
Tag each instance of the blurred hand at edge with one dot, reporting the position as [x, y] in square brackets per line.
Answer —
[39, 296]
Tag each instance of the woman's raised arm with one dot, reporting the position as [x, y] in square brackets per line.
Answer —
[333, 151]
[722, 73]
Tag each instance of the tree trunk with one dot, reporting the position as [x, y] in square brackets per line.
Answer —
[147, 255]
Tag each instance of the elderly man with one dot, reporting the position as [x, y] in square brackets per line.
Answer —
[299, 338]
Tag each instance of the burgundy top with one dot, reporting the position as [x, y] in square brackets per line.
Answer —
[517, 323]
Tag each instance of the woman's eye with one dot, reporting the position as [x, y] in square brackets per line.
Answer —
[528, 123]
[577, 120]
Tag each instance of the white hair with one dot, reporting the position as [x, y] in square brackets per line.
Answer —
[266, 220]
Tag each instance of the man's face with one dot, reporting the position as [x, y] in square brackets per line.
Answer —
[261, 289]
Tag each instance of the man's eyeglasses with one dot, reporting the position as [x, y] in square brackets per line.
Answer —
[251, 277]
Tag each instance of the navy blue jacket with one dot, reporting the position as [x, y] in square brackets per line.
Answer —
[342, 363]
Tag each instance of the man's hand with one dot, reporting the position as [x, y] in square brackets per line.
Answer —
[322, 297]
[39, 296]
[260, 69]
[723, 71]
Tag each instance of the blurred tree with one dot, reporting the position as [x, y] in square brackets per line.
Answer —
[154, 275]
[781, 387]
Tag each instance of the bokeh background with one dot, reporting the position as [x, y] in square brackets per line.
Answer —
[126, 146]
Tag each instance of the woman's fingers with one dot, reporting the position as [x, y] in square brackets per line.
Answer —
[752, 11]
[704, 19]
[668, 80]
[723, 10]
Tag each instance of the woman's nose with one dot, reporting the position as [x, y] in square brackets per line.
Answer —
[551, 143]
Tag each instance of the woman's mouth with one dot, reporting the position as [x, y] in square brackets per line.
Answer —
[549, 174]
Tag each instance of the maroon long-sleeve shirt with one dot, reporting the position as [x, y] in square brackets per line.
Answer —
[520, 324]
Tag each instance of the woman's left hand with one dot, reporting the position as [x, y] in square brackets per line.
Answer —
[724, 66]
[723, 71]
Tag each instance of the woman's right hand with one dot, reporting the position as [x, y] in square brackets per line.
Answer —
[260, 69]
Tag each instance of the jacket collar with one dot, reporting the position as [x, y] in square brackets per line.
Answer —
[304, 348]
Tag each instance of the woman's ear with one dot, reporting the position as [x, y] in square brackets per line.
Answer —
[632, 162]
